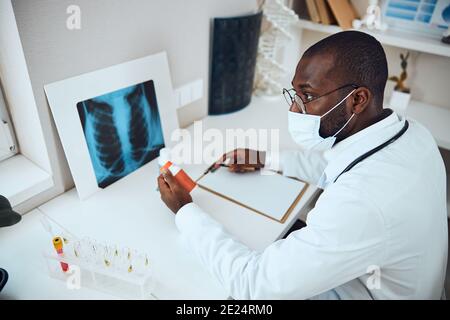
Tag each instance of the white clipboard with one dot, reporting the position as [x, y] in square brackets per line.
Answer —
[271, 195]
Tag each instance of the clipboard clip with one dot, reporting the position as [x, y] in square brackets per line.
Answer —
[216, 166]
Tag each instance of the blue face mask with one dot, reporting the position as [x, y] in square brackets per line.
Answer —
[304, 129]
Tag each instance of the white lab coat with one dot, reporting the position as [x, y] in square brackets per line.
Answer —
[379, 232]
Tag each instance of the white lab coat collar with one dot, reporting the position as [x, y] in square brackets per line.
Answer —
[346, 151]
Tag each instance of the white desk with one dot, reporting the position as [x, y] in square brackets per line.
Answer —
[130, 213]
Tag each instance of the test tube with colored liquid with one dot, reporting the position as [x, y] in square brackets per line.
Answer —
[58, 244]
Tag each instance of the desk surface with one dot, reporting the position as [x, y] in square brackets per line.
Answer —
[130, 213]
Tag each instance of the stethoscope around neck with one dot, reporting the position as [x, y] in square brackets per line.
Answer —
[374, 150]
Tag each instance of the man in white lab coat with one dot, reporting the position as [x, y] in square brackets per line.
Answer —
[378, 230]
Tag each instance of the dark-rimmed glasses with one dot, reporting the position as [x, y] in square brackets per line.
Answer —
[291, 96]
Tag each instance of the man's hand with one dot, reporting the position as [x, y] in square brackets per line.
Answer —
[172, 193]
[243, 160]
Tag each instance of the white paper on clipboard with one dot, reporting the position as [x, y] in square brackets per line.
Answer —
[271, 195]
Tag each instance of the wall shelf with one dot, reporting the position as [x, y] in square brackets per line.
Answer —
[407, 40]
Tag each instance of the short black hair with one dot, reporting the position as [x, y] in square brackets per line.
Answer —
[358, 57]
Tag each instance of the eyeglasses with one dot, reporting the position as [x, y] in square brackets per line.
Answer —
[292, 97]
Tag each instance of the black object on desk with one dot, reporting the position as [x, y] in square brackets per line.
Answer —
[8, 217]
[3, 278]
[233, 61]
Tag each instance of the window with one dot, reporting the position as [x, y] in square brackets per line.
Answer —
[8, 146]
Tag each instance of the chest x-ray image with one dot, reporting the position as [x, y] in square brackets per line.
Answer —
[122, 130]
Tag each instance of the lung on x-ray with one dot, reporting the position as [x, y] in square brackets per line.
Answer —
[122, 131]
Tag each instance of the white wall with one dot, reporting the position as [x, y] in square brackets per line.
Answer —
[115, 31]
[18, 91]
[28, 127]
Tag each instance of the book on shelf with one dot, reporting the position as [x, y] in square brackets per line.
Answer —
[344, 12]
[313, 11]
[325, 13]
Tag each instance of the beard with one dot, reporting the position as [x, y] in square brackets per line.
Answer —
[333, 122]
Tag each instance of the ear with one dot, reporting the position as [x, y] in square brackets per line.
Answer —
[361, 98]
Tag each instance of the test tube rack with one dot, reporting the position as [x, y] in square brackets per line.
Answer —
[121, 272]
